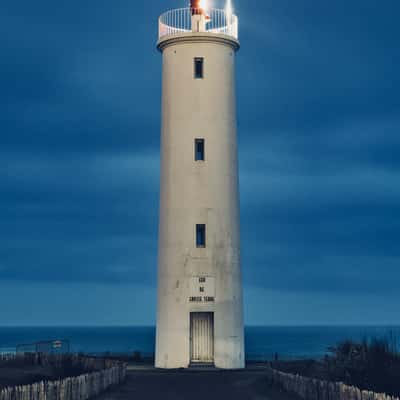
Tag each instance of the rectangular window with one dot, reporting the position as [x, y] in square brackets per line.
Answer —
[199, 149]
[200, 235]
[199, 68]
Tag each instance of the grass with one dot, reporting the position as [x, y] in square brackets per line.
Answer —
[24, 371]
[372, 364]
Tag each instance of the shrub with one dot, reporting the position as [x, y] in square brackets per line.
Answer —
[371, 364]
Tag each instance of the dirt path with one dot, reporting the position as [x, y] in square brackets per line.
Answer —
[195, 385]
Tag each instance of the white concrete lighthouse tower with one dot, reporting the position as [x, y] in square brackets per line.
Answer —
[200, 310]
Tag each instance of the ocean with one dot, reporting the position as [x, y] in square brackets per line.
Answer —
[262, 343]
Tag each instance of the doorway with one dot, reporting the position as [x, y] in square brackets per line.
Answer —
[202, 337]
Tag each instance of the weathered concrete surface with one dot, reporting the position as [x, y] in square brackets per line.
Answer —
[199, 192]
[204, 192]
[195, 385]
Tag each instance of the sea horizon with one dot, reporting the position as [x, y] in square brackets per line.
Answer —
[261, 342]
[388, 325]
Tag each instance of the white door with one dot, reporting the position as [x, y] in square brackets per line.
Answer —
[202, 337]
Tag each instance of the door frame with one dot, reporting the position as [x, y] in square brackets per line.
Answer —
[191, 316]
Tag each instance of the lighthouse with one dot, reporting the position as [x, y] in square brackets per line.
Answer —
[199, 307]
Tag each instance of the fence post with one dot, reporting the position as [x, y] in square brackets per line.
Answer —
[105, 373]
[315, 389]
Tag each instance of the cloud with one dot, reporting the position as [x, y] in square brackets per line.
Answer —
[317, 210]
[318, 112]
[84, 219]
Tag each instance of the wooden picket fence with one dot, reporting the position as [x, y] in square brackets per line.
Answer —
[315, 389]
[57, 360]
[105, 373]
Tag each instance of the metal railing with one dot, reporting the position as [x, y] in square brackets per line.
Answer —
[48, 347]
[178, 21]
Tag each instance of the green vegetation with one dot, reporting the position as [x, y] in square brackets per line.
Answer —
[372, 364]
[30, 368]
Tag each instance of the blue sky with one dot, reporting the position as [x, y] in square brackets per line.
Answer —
[319, 134]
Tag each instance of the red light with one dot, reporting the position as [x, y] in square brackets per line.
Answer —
[195, 5]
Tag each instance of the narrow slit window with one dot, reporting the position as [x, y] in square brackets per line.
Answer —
[200, 235]
[199, 150]
[199, 68]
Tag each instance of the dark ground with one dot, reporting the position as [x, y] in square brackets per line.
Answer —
[13, 376]
[19, 373]
[195, 385]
